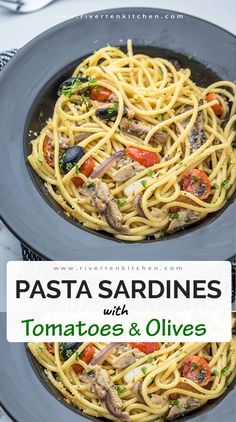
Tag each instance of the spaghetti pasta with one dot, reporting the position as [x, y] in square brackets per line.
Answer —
[135, 148]
[138, 381]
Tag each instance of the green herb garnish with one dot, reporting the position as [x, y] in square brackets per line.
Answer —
[120, 202]
[174, 216]
[41, 114]
[150, 172]
[90, 185]
[224, 370]
[224, 183]
[40, 160]
[40, 347]
[92, 81]
[194, 366]
[76, 356]
[215, 186]
[150, 359]
[69, 166]
[69, 353]
[90, 372]
[144, 370]
[68, 90]
[144, 183]
[115, 107]
[76, 169]
[215, 373]
[174, 402]
[120, 389]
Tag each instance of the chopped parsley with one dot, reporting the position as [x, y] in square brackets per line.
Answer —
[224, 370]
[215, 186]
[40, 347]
[76, 169]
[120, 389]
[69, 353]
[144, 183]
[92, 81]
[174, 402]
[41, 114]
[144, 370]
[68, 89]
[76, 356]
[120, 202]
[90, 372]
[90, 185]
[115, 107]
[215, 373]
[150, 172]
[224, 183]
[69, 166]
[150, 359]
[194, 366]
[174, 216]
[40, 160]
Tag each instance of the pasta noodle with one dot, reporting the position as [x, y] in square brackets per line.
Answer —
[176, 141]
[139, 382]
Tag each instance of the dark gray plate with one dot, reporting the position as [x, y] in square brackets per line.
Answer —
[29, 83]
[27, 396]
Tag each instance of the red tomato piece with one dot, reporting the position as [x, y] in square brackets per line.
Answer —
[146, 348]
[48, 151]
[86, 169]
[218, 109]
[100, 93]
[197, 183]
[49, 347]
[146, 158]
[87, 355]
[197, 370]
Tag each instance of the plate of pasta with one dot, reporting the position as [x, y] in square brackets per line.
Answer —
[137, 381]
[128, 148]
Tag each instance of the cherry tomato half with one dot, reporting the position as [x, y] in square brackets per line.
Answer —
[146, 158]
[85, 169]
[197, 183]
[147, 348]
[100, 93]
[48, 151]
[197, 370]
[218, 109]
[87, 355]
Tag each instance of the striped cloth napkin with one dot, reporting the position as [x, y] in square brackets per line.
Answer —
[6, 56]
